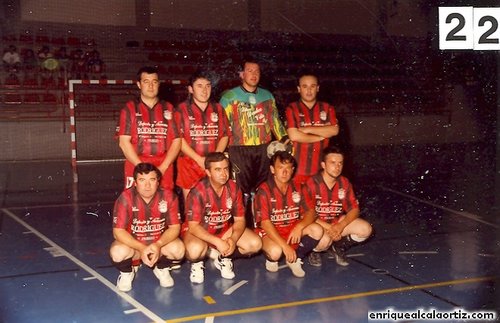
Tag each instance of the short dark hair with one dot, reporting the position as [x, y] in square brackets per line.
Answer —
[200, 74]
[284, 157]
[307, 73]
[214, 157]
[147, 70]
[249, 59]
[146, 168]
[331, 150]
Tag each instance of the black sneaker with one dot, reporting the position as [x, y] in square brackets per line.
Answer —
[314, 259]
[339, 256]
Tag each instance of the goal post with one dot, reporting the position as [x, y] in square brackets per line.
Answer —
[94, 110]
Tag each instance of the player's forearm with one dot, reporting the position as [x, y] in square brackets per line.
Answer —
[273, 233]
[129, 150]
[308, 217]
[322, 131]
[189, 151]
[349, 217]
[222, 144]
[238, 228]
[296, 135]
[172, 153]
[169, 235]
[198, 231]
[121, 235]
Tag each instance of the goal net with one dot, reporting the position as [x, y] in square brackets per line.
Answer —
[95, 106]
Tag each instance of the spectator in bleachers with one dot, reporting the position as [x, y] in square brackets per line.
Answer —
[11, 59]
[48, 64]
[63, 57]
[30, 62]
[44, 53]
[95, 65]
[78, 64]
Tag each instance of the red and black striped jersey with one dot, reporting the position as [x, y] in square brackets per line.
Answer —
[330, 203]
[298, 115]
[283, 210]
[215, 213]
[202, 129]
[146, 221]
[152, 129]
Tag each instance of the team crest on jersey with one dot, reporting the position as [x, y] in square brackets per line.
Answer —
[229, 203]
[167, 115]
[296, 197]
[162, 206]
[341, 193]
[322, 115]
[252, 99]
[214, 117]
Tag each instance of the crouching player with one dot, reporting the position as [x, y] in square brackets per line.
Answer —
[285, 219]
[216, 219]
[146, 226]
[336, 208]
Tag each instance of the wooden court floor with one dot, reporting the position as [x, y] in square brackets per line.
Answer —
[55, 235]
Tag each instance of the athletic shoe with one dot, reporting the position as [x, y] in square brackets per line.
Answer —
[124, 282]
[176, 264]
[339, 256]
[164, 277]
[225, 265]
[272, 266]
[314, 259]
[296, 268]
[330, 254]
[197, 273]
[213, 253]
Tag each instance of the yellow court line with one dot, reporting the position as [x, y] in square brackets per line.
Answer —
[332, 298]
[209, 299]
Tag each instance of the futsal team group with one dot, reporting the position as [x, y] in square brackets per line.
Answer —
[249, 184]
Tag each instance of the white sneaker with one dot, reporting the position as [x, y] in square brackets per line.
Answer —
[225, 265]
[296, 268]
[164, 277]
[124, 282]
[213, 253]
[197, 273]
[272, 266]
[176, 264]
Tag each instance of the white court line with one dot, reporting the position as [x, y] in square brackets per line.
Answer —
[91, 271]
[461, 213]
[418, 252]
[134, 310]
[353, 255]
[209, 319]
[231, 289]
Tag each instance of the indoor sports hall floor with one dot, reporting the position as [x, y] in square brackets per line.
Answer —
[435, 247]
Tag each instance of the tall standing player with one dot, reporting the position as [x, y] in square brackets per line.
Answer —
[204, 128]
[146, 226]
[337, 209]
[310, 125]
[147, 131]
[254, 119]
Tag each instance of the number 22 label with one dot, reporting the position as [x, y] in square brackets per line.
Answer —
[469, 28]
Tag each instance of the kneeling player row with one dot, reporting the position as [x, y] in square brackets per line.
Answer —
[291, 222]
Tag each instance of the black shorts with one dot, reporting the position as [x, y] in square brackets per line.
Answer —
[250, 166]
